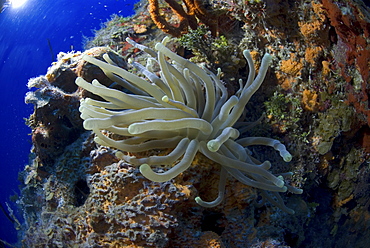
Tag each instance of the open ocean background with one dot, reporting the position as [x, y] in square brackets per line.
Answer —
[25, 53]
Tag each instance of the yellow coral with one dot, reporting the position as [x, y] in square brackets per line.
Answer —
[312, 54]
[309, 100]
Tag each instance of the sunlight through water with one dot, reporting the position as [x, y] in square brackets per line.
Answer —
[17, 3]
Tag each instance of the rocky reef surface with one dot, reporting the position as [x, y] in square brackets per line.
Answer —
[315, 97]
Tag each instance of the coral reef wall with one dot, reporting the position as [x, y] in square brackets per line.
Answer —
[315, 97]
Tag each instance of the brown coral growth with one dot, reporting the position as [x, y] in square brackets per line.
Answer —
[353, 33]
[188, 18]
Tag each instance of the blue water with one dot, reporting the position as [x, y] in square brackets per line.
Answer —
[24, 53]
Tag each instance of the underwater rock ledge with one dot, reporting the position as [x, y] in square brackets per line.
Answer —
[315, 96]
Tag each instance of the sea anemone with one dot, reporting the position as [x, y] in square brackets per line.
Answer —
[186, 108]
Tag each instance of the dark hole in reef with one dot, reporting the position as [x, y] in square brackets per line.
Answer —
[82, 191]
[187, 53]
[350, 205]
[213, 221]
[323, 197]
[333, 37]
[66, 122]
[291, 239]
[73, 135]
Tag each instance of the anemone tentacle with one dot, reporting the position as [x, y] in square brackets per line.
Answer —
[172, 111]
